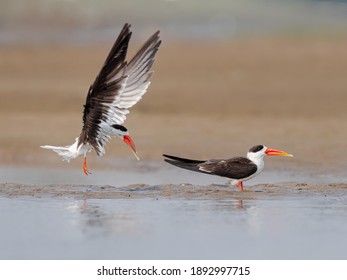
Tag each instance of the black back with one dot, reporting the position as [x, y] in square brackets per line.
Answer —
[234, 168]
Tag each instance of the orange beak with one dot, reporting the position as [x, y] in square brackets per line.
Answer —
[127, 139]
[274, 152]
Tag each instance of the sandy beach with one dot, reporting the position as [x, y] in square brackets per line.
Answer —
[208, 100]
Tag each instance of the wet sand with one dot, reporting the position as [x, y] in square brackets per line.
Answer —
[188, 191]
[152, 179]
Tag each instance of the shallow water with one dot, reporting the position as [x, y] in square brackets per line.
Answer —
[151, 214]
[173, 228]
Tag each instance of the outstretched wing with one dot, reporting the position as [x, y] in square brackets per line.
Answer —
[139, 72]
[118, 87]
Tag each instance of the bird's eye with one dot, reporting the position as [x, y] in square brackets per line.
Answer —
[119, 127]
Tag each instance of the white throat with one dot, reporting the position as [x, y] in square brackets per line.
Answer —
[258, 160]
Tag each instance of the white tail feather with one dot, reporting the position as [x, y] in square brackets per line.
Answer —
[67, 152]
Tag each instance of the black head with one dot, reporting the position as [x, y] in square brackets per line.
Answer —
[256, 148]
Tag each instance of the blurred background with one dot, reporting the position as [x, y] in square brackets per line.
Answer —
[229, 75]
[86, 21]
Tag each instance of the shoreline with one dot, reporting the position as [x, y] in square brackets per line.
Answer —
[287, 190]
[151, 179]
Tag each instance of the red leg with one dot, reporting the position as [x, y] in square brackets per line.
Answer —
[240, 185]
[85, 169]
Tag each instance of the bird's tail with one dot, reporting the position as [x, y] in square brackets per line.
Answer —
[190, 164]
[67, 152]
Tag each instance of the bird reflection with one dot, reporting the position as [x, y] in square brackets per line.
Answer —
[240, 204]
[95, 218]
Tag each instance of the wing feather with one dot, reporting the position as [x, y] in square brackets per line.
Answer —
[118, 87]
[235, 168]
[139, 72]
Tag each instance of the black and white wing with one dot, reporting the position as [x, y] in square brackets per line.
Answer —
[139, 72]
[119, 86]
